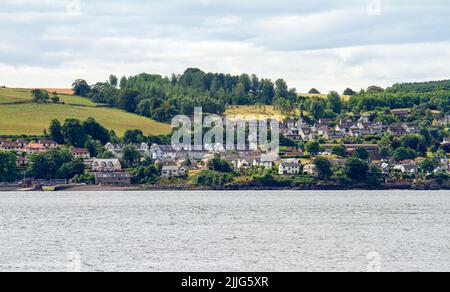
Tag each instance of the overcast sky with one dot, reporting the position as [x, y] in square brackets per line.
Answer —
[326, 44]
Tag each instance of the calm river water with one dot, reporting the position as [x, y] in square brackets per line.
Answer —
[226, 231]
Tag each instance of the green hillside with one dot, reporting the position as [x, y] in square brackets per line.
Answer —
[9, 95]
[29, 118]
[420, 87]
[17, 95]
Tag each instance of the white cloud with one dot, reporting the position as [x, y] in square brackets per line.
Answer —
[321, 43]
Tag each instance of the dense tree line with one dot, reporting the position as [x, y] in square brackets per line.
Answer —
[434, 100]
[420, 87]
[161, 98]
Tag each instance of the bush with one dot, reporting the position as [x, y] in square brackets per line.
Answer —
[403, 153]
[86, 178]
[212, 178]
[356, 169]
[339, 150]
[219, 165]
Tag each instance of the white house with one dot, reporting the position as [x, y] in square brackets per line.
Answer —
[10, 146]
[169, 171]
[33, 148]
[258, 162]
[289, 167]
[407, 166]
[115, 149]
[81, 153]
[192, 154]
[49, 144]
[243, 163]
[306, 133]
[106, 165]
[163, 152]
[385, 168]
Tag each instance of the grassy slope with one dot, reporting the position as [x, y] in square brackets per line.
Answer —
[32, 118]
[8, 95]
[247, 110]
[14, 95]
[344, 97]
[251, 110]
[76, 100]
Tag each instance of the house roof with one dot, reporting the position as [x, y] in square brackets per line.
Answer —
[46, 141]
[106, 163]
[170, 168]
[165, 148]
[11, 144]
[306, 130]
[80, 151]
[115, 146]
[289, 164]
[401, 111]
[35, 146]
[397, 127]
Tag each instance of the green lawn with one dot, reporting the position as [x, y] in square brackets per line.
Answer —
[257, 112]
[32, 118]
[8, 95]
[344, 97]
[76, 100]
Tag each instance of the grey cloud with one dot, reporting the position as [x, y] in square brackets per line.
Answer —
[228, 35]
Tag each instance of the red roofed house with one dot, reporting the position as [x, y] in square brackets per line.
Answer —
[35, 148]
[22, 161]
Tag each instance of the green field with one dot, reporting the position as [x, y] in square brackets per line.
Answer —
[33, 118]
[257, 112]
[8, 95]
[12, 95]
[344, 97]
[76, 100]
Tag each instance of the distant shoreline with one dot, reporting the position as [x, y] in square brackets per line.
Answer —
[93, 188]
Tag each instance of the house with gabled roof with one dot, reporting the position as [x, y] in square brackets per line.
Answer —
[81, 153]
[173, 170]
[397, 130]
[10, 146]
[163, 152]
[289, 167]
[306, 133]
[402, 113]
[106, 165]
[407, 166]
[34, 148]
[49, 144]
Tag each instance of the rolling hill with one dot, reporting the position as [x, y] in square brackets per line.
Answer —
[20, 116]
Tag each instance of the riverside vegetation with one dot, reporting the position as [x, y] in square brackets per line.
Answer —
[406, 123]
